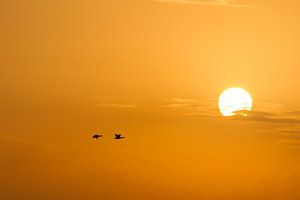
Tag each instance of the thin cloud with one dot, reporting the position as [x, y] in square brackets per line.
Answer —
[181, 102]
[294, 113]
[289, 135]
[192, 107]
[284, 120]
[211, 2]
[17, 153]
[107, 102]
[290, 131]
[208, 108]
[265, 117]
[28, 142]
[111, 105]
[294, 142]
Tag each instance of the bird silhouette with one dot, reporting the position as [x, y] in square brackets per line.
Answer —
[97, 136]
[118, 136]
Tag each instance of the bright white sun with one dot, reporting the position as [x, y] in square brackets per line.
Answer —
[234, 99]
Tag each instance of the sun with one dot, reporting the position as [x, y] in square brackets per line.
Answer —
[234, 99]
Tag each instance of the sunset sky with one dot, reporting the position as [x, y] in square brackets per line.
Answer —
[152, 70]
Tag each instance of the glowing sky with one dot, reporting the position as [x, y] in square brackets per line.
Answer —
[152, 70]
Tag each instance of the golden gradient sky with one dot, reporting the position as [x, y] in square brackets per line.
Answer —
[152, 70]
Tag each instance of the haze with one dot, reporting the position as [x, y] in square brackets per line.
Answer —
[152, 70]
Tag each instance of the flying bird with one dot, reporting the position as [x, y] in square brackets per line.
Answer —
[97, 136]
[118, 136]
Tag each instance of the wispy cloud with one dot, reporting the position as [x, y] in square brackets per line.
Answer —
[211, 2]
[112, 105]
[289, 135]
[192, 107]
[266, 117]
[28, 142]
[262, 111]
[17, 153]
[285, 120]
[107, 102]
[290, 131]
[205, 107]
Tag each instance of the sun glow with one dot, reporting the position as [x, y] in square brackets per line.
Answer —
[234, 99]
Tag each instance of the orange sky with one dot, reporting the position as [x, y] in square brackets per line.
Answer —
[152, 70]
